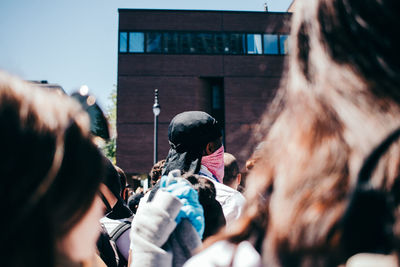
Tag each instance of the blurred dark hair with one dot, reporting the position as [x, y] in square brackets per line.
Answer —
[123, 180]
[213, 214]
[231, 169]
[50, 171]
[112, 178]
[133, 201]
[155, 172]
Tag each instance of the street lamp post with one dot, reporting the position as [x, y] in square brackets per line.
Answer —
[156, 112]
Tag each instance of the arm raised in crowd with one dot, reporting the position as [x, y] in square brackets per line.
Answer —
[155, 238]
[151, 228]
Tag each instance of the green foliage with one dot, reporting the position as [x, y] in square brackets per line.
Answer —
[112, 110]
[110, 147]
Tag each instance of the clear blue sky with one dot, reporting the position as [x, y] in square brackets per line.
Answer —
[74, 42]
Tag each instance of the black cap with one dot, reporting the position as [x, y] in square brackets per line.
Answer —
[189, 133]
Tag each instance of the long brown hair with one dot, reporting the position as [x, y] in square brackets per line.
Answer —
[50, 171]
[341, 97]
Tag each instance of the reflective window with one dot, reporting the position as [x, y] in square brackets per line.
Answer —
[171, 43]
[222, 43]
[153, 42]
[284, 44]
[123, 42]
[187, 43]
[204, 43]
[254, 44]
[136, 42]
[237, 43]
[271, 44]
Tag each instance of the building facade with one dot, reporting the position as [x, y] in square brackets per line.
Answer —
[226, 63]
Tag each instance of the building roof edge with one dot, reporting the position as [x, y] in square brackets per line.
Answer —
[200, 10]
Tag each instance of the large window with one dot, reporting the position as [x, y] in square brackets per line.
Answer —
[136, 42]
[171, 42]
[153, 42]
[187, 44]
[222, 45]
[203, 43]
[271, 44]
[237, 43]
[123, 42]
[254, 44]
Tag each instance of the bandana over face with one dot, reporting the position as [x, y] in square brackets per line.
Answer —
[215, 163]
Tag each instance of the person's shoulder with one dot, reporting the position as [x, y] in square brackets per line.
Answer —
[239, 197]
[369, 259]
[109, 224]
[224, 189]
[219, 254]
[224, 253]
[230, 193]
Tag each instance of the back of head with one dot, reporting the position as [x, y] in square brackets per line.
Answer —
[122, 178]
[231, 169]
[155, 172]
[112, 179]
[340, 99]
[323, 56]
[188, 134]
[192, 130]
[213, 214]
[50, 171]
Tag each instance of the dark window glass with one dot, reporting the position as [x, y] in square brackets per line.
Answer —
[284, 43]
[153, 42]
[271, 44]
[237, 43]
[204, 43]
[136, 42]
[216, 97]
[187, 43]
[254, 44]
[171, 43]
[222, 43]
[123, 42]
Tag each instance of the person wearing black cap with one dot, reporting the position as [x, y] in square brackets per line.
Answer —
[196, 147]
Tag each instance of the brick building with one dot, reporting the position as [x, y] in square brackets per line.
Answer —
[226, 63]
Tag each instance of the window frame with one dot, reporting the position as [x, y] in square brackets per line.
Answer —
[226, 35]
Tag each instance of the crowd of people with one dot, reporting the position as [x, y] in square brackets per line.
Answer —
[322, 188]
